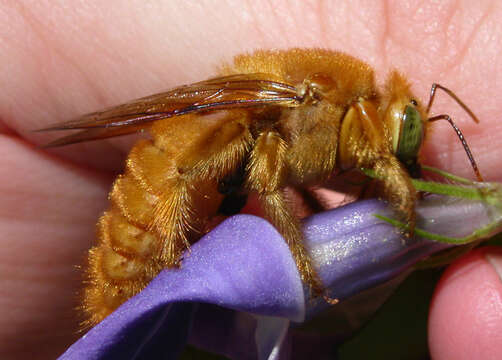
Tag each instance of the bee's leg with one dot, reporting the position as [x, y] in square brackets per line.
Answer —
[363, 145]
[266, 175]
[280, 215]
[397, 187]
[190, 196]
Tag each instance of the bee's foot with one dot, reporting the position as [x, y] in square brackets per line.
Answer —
[330, 300]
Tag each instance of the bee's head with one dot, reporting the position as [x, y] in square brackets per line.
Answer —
[405, 121]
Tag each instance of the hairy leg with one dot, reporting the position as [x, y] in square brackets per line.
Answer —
[266, 175]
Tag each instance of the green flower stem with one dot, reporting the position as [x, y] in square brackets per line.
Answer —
[478, 234]
[489, 194]
[447, 175]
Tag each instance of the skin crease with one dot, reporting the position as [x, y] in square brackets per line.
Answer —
[58, 62]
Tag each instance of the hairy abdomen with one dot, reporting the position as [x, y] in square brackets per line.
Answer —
[122, 262]
[163, 202]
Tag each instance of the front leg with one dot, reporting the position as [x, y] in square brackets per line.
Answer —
[266, 175]
[364, 144]
[397, 187]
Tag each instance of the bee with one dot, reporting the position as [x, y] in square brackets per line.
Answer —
[271, 119]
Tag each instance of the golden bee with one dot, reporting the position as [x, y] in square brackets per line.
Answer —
[271, 119]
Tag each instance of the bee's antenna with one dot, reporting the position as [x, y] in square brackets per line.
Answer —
[455, 97]
[455, 127]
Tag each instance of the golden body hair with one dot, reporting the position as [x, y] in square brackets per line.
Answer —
[271, 119]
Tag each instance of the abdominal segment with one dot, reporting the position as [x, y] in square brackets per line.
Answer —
[119, 266]
[165, 201]
[150, 223]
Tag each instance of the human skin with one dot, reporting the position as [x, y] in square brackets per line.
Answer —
[59, 61]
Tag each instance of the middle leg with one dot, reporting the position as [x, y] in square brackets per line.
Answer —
[266, 175]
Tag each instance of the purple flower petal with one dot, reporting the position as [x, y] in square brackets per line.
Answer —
[245, 265]
[356, 251]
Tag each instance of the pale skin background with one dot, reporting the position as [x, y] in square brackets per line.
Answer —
[60, 59]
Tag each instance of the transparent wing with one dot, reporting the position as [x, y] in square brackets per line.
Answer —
[227, 92]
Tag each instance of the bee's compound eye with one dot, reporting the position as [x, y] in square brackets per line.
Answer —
[411, 136]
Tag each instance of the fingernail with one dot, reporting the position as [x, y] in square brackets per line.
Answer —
[494, 258]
